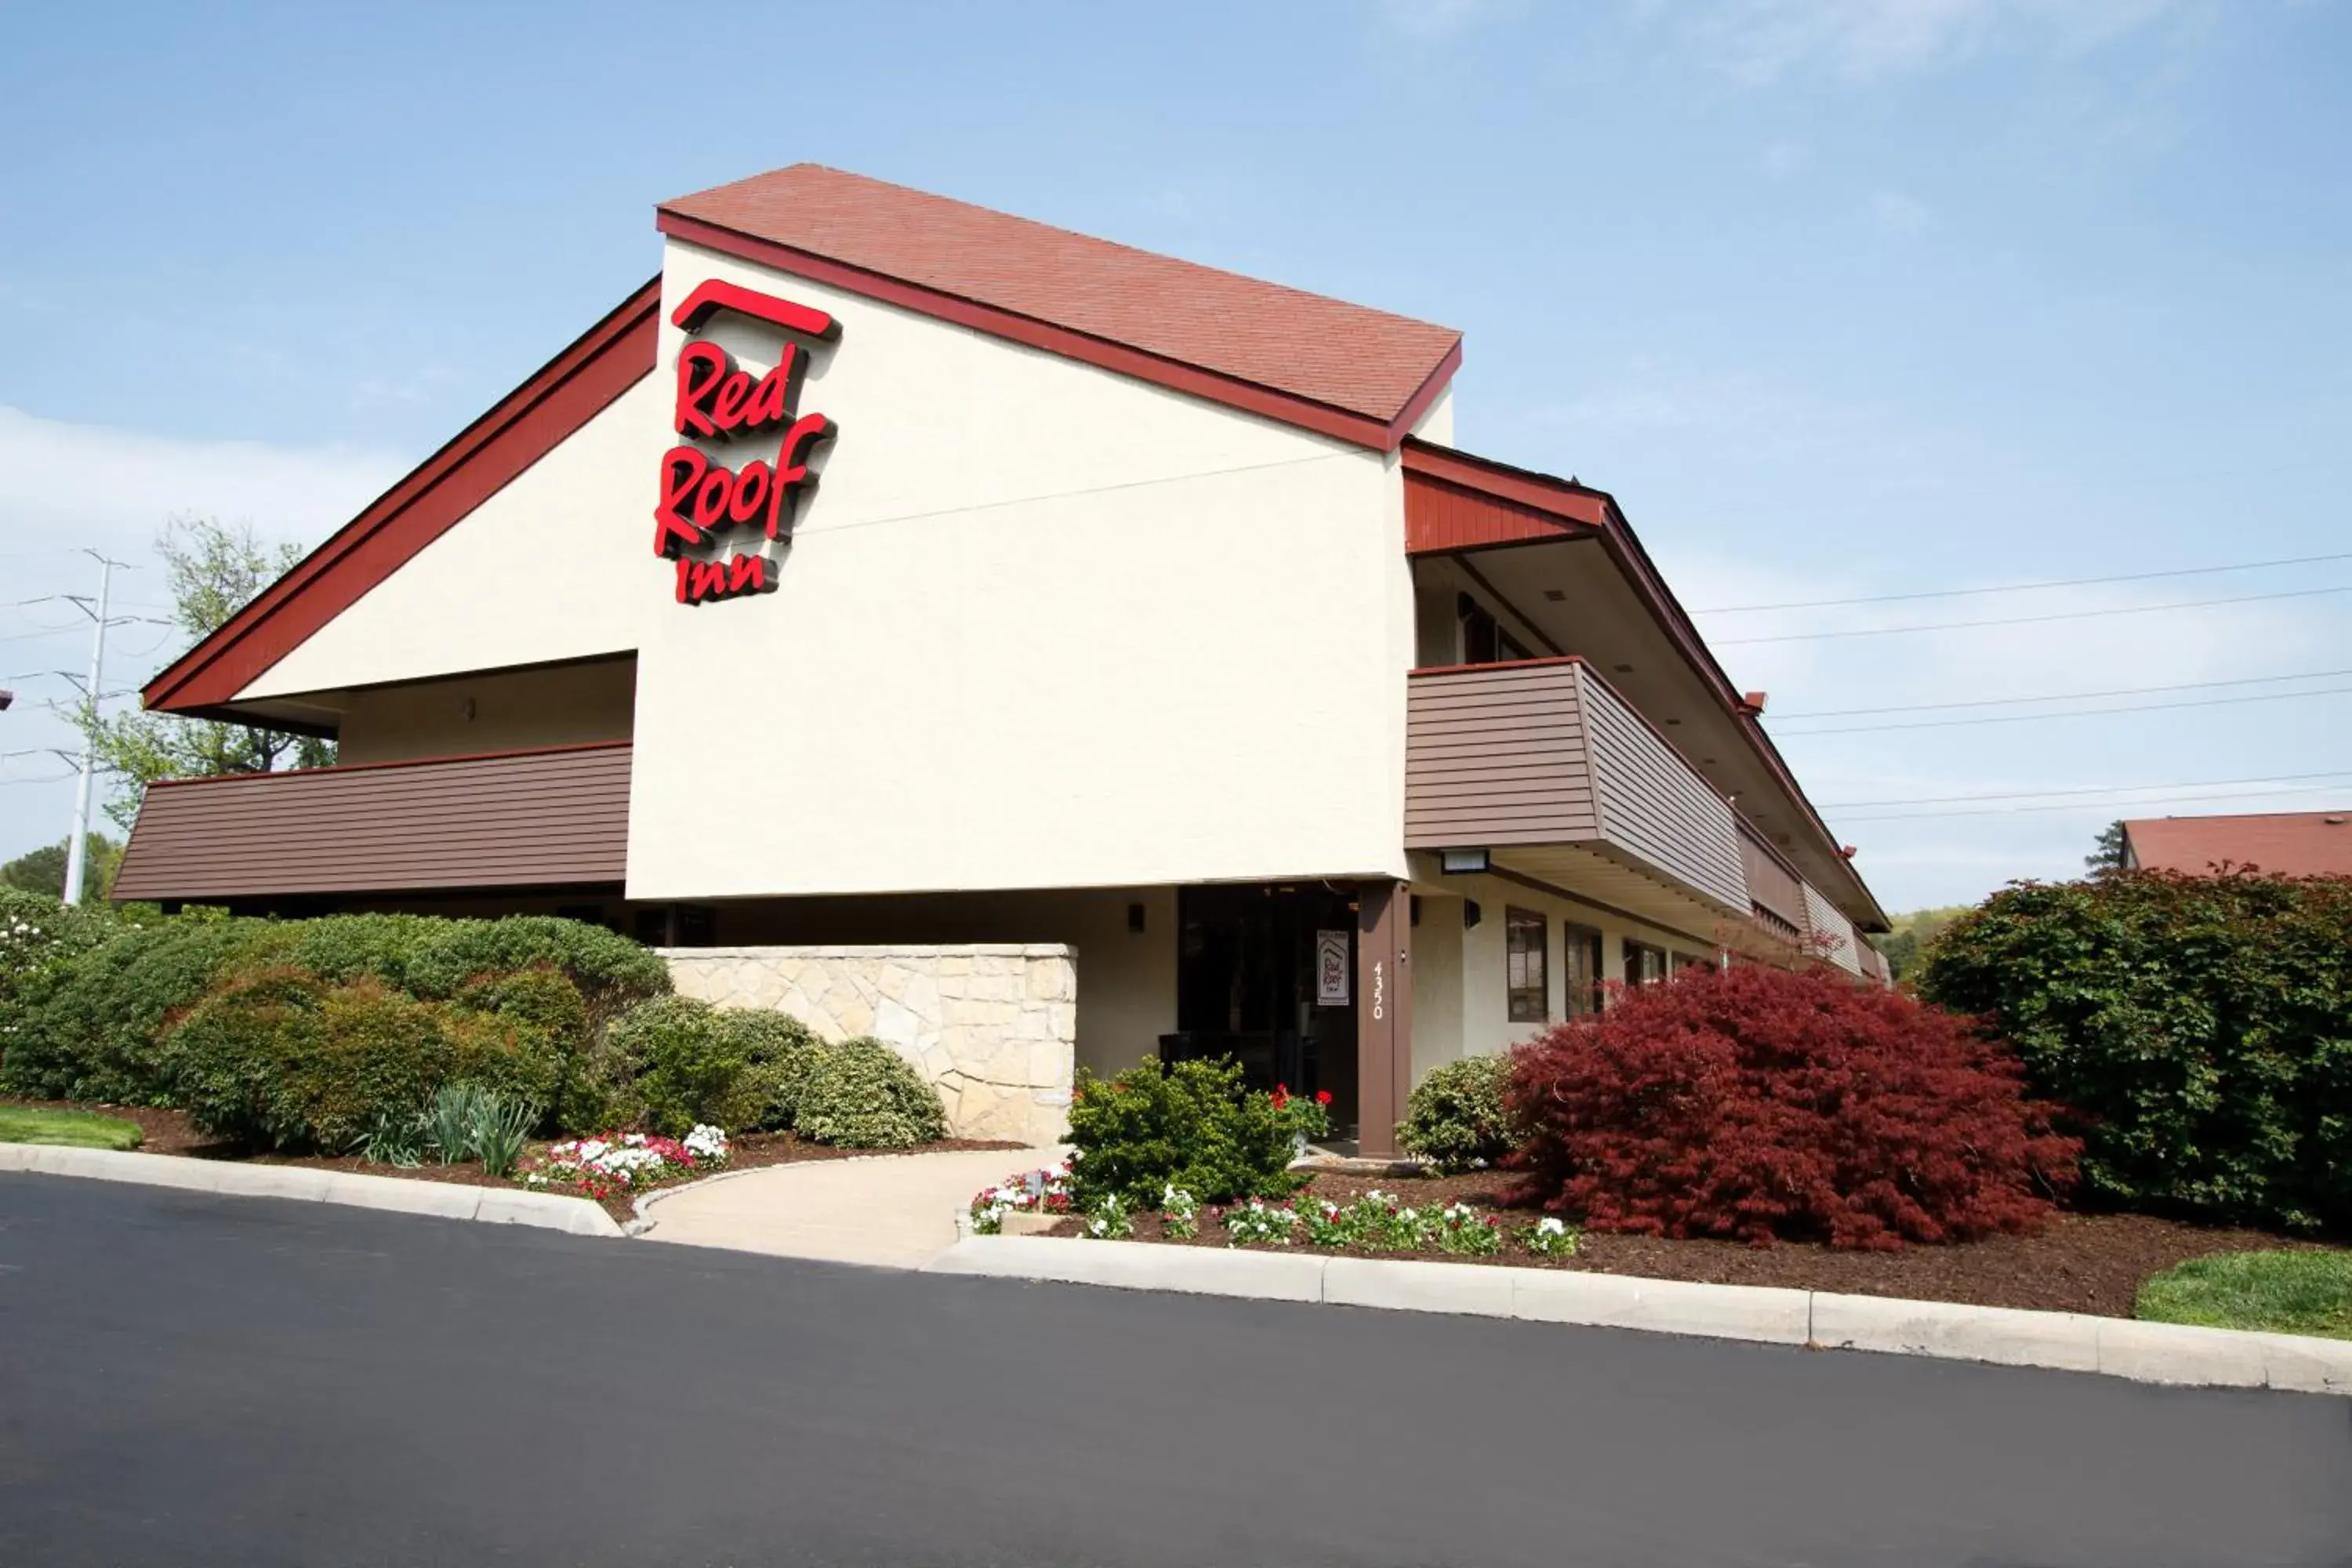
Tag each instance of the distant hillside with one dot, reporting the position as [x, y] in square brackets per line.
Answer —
[1912, 931]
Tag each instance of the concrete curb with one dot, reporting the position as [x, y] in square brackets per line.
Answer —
[2114, 1347]
[441, 1200]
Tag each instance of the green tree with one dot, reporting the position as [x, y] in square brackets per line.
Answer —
[2108, 855]
[213, 570]
[1911, 932]
[43, 870]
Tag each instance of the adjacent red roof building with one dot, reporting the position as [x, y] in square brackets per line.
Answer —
[2285, 844]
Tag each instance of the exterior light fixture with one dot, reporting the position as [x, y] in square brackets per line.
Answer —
[1462, 862]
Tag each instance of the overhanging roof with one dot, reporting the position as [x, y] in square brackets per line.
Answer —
[1342, 370]
[1456, 503]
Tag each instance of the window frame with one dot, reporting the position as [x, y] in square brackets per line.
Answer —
[1582, 998]
[1529, 1002]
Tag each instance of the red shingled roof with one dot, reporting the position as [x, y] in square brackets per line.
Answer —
[1378, 368]
[2285, 844]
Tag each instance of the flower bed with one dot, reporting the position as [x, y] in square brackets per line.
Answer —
[2082, 1263]
[626, 1161]
[1045, 1190]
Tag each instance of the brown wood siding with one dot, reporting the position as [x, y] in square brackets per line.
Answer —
[1655, 807]
[542, 818]
[1497, 755]
[1825, 920]
[1776, 889]
[1439, 516]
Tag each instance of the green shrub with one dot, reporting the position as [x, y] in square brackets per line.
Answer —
[591, 1078]
[782, 1052]
[861, 1094]
[2201, 1025]
[285, 1060]
[1192, 1126]
[684, 1061]
[1455, 1118]
[37, 932]
[90, 1028]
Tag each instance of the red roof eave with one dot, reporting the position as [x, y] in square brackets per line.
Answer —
[1124, 359]
[526, 424]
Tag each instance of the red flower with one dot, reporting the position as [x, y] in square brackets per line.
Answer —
[1322, 1097]
[1281, 1097]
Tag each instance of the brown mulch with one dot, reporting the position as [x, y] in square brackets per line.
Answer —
[2082, 1263]
[171, 1132]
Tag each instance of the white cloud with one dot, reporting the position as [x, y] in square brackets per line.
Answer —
[65, 486]
[1863, 40]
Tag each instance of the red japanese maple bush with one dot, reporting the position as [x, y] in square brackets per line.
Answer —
[1767, 1105]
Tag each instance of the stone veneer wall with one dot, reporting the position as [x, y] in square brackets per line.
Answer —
[993, 1026]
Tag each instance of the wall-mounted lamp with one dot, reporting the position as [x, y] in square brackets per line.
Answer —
[1462, 862]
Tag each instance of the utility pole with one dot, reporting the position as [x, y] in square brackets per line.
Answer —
[76, 846]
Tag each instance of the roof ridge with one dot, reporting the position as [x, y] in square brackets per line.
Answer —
[1080, 235]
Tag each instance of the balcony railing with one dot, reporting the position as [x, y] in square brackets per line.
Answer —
[1543, 752]
[554, 817]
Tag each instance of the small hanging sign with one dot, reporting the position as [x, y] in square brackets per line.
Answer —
[1331, 968]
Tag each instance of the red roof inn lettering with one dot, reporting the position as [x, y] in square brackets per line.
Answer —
[719, 402]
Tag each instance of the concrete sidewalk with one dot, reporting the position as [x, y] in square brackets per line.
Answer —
[897, 1211]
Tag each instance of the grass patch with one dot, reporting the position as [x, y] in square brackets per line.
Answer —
[76, 1129]
[2276, 1292]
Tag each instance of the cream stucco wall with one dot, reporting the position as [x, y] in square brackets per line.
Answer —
[1472, 1015]
[1040, 626]
[555, 567]
[495, 710]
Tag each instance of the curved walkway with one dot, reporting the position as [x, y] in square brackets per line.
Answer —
[897, 1211]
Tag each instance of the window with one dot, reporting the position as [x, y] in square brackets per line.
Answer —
[1643, 963]
[1523, 962]
[1583, 971]
[1484, 641]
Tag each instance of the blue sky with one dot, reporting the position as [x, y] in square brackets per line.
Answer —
[1841, 298]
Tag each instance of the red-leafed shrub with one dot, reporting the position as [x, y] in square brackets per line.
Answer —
[1764, 1104]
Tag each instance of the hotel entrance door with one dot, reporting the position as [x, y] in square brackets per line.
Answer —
[1266, 975]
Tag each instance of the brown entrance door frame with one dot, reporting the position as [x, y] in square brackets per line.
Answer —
[1384, 1013]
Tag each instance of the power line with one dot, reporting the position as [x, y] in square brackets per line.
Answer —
[2100, 789]
[2033, 620]
[2096, 806]
[2068, 697]
[2083, 713]
[2021, 587]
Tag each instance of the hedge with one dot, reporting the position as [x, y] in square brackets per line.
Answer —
[284, 1059]
[100, 1023]
[2201, 1027]
[1765, 1104]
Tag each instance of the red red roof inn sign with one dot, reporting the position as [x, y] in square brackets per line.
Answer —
[702, 501]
